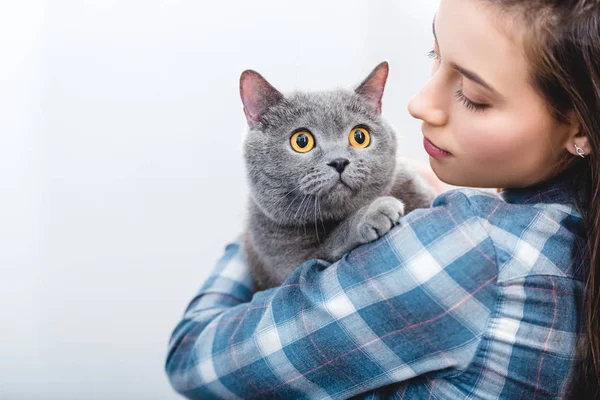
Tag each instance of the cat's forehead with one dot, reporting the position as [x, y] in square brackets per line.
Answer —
[325, 110]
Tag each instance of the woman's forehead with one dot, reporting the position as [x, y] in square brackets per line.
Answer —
[476, 37]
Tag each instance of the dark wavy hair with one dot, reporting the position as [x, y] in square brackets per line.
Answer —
[562, 44]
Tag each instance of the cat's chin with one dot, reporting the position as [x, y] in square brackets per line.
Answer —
[339, 189]
[338, 193]
[341, 185]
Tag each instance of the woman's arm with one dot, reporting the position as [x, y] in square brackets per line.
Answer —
[416, 301]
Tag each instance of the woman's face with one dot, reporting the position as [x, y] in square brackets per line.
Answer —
[480, 106]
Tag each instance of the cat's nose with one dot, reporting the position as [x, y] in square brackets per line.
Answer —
[339, 164]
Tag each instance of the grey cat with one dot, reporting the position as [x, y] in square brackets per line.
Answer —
[323, 174]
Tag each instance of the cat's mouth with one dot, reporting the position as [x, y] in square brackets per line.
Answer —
[342, 183]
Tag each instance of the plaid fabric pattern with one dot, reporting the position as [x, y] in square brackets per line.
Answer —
[476, 297]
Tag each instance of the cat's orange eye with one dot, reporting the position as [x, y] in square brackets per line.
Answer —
[359, 137]
[302, 141]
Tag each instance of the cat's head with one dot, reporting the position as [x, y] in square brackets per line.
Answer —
[316, 155]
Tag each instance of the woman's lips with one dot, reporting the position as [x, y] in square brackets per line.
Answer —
[433, 150]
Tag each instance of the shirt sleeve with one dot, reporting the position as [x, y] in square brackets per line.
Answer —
[414, 302]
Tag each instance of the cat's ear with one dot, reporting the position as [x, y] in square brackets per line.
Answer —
[372, 87]
[257, 95]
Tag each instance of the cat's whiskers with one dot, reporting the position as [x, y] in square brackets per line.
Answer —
[318, 206]
[296, 187]
[297, 211]
[320, 215]
[284, 220]
[281, 199]
[312, 183]
[316, 227]
[304, 214]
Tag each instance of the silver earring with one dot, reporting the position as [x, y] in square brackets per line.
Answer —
[580, 151]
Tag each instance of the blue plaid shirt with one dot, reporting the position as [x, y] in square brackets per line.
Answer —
[476, 297]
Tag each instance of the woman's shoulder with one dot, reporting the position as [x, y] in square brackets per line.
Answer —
[477, 200]
[503, 211]
[530, 237]
[461, 204]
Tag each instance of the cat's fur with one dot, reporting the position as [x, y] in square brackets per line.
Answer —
[300, 207]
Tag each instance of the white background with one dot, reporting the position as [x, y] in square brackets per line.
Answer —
[121, 175]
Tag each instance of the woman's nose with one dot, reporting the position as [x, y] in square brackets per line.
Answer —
[428, 106]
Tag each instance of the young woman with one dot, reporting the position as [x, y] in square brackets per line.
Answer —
[480, 296]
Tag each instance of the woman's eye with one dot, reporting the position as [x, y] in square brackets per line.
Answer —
[469, 104]
[302, 141]
[359, 137]
[432, 54]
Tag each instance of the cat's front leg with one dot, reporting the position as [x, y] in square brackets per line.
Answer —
[369, 223]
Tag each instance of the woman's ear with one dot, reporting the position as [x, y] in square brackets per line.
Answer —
[579, 146]
[576, 141]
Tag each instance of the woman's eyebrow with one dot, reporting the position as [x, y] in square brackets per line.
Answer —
[473, 76]
[465, 72]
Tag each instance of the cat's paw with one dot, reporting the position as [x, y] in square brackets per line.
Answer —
[379, 218]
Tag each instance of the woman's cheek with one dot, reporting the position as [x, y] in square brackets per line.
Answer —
[487, 141]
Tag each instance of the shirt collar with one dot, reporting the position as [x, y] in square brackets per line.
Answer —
[558, 190]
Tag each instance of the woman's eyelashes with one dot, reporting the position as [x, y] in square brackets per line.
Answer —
[459, 95]
[469, 104]
[432, 54]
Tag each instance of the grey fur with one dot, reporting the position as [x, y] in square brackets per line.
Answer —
[298, 208]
